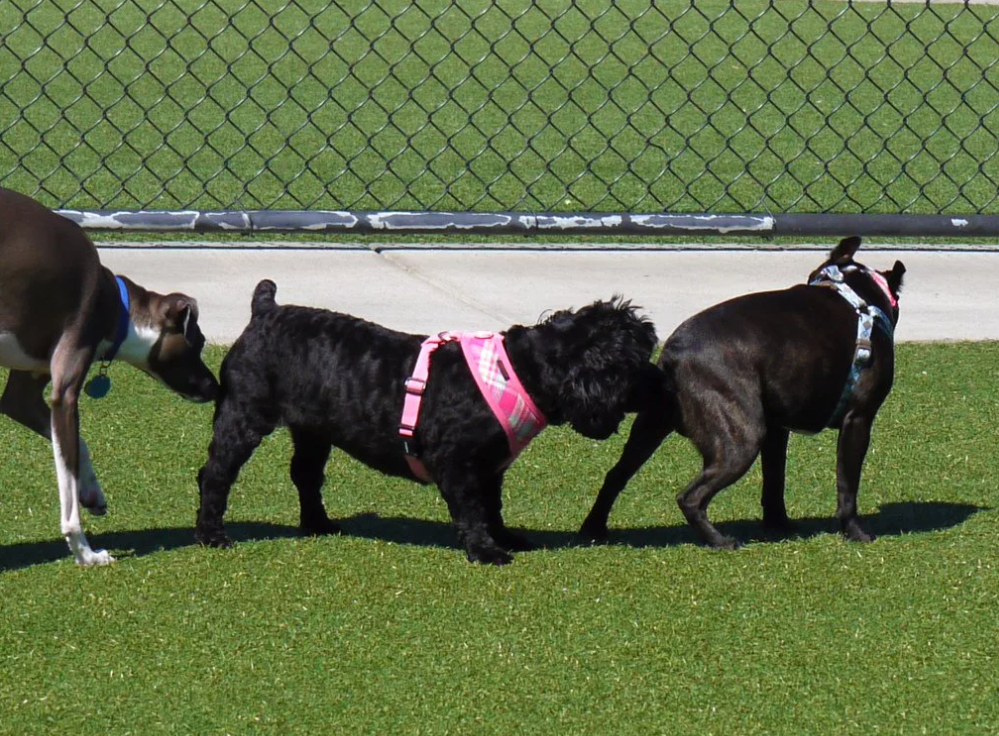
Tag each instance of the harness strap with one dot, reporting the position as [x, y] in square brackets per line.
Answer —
[868, 316]
[415, 386]
[489, 364]
[512, 406]
[861, 358]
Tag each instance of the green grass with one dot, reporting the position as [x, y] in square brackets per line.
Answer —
[518, 104]
[388, 630]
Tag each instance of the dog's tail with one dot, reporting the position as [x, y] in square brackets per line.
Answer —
[263, 298]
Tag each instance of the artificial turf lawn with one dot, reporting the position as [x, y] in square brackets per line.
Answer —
[389, 630]
[565, 105]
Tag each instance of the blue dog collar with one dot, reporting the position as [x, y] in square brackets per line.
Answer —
[123, 321]
[98, 386]
[868, 316]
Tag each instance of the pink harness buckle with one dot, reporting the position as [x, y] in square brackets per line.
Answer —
[486, 357]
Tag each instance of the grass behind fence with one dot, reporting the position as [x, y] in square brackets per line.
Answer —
[553, 105]
[389, 630]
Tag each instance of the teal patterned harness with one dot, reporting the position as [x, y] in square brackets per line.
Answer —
[868, 316]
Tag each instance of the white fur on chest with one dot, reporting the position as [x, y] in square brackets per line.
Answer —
[135, 350]
[12, 355]
[139, 341]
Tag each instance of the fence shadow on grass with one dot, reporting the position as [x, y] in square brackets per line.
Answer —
[890, 520]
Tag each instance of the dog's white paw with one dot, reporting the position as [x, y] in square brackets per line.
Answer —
[94, 557]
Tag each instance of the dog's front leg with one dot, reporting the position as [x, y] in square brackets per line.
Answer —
[773, 457]
[854, 438]
[468, 499]
[23, 401]
[91, 495]
[69, 367]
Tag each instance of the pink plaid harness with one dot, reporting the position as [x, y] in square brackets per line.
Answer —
[490, 366]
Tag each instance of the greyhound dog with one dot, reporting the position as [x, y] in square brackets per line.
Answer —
[60, 311]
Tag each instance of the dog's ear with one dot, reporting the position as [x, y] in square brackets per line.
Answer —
[844, 252]
[894, 278]
[182, 312]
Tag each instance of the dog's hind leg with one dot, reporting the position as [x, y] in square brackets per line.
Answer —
[651, 427]
[854, 438]
[729, 439]
[469, 500]
[773, 457]
[718, 474]
[307, 466]
[23, 401]
[236, 433]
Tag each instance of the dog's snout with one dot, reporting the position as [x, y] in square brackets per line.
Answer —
[207, 392]
[207, 389]
[190, 379]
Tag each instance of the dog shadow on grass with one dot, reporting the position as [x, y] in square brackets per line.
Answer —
[891, 519]
[135, 543]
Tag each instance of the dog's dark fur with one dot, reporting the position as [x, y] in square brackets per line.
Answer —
[337, 381]
[740, 375]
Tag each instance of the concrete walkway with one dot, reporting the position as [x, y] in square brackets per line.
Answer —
[948, 296]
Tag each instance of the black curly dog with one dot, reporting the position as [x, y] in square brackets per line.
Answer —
[337, 381]
[742, 374]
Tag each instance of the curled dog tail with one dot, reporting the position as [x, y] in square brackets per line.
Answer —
[263, 298]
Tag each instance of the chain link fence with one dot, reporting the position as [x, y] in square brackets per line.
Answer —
[509, 105]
